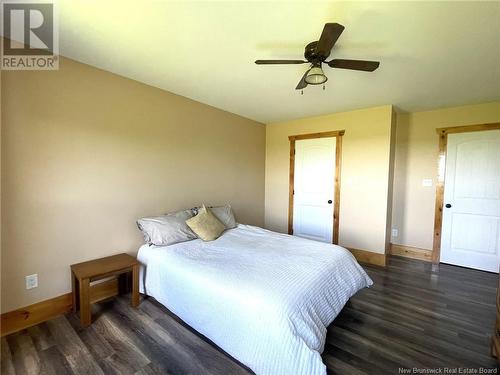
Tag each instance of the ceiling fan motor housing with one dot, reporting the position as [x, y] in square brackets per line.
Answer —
[311, 55]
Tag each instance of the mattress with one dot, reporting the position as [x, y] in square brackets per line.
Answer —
[263, 297]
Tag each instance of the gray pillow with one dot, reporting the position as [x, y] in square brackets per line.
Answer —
[223, 213]
[167, 229]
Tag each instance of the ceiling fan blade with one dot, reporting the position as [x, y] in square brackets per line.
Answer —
[264, 62]
[329, 36]
[302, 83]
[367, 66]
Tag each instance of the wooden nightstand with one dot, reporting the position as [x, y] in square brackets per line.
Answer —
[82, 274]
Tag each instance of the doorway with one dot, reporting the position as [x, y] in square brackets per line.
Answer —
[469, 198]
[314, 196]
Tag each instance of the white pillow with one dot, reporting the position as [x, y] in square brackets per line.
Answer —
[167, 229]
[225, 215]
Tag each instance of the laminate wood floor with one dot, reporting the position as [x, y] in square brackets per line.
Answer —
[411, 317]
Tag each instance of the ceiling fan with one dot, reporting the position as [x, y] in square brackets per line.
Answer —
[317, 52]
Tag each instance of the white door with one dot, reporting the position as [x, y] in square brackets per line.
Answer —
[314, 188]
[471, 211]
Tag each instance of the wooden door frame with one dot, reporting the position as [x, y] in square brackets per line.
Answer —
[337, 134]
[438, 210]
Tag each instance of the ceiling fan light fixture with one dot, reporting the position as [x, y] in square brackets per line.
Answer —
[315, 76]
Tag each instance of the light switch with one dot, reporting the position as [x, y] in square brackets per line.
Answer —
[427, 182]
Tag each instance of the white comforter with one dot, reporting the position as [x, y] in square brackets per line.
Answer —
[263, 297]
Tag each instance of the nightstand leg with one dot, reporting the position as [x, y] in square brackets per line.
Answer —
[84, 289]
[135, 286]
[74, 292]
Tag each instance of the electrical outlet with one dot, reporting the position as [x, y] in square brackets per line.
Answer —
[394, 232]
[32, 281]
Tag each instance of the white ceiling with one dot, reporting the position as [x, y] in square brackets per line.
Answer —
[432, 54]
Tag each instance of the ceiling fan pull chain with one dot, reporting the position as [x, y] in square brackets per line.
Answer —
[323, 87]
[301, 92]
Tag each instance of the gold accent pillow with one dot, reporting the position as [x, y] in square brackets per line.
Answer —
[206, 225]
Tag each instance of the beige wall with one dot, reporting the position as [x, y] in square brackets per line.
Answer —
[85, 153]
[365, 173]
[416, 159]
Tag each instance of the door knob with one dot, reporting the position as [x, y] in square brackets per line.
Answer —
[447, 205]
[330, 201]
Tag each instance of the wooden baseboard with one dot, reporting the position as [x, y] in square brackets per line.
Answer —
[28, 316]
[411, 252]
[364, 256]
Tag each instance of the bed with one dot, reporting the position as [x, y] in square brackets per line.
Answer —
[263, 297]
